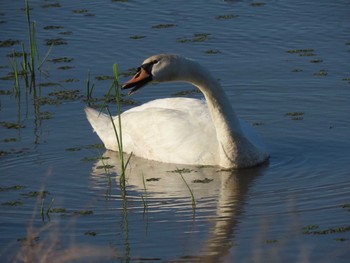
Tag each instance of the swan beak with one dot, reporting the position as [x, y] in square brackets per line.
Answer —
[140, 79]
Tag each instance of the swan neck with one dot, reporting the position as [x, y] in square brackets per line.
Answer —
[228, 130]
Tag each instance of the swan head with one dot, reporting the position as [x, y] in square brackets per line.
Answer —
[158, 68]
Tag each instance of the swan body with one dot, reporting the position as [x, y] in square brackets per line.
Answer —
[182, 130]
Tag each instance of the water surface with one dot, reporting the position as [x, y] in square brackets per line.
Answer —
[285, 67]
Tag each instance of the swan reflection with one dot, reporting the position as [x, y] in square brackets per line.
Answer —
[223, 193]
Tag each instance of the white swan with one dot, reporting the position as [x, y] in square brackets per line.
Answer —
[182, 130]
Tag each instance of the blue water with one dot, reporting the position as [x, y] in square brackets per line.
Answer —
[253, 215]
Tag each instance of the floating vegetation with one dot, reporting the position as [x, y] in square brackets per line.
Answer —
[295, 115]
[44, 115]
[316, 61]
[53, 27]
[66, 95]
[48, 84]
[12, 203]
[297, 70]
[61, 60]
[186, 92]
[326, 231]
[73, 149]
[152, 179]
[5, 92]
[183, 170]
[121, 1]
[57, 210]
[161, 26]
[9, 140]
[93, 159]
[213, 51]
[65, 67]
[90, 233]
[83, 212]
[9, 43]
[69, 80]
[41, 194]
[55, 42]
[344, 79]
[12, 187]
[341, 239]
[202, 181]
[300, 51]
[51, 5]
[66, 33]
[321, 73]
[80, 11]
[224, 17]
[200, 37]
[104, 77]
[256, 4]
[16, 54]
[137, 37]
[307, 54]
[11, 125]
[271, 241]
[91, 146]
[346, 206]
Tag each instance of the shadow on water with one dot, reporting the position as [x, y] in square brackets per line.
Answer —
[222, 192]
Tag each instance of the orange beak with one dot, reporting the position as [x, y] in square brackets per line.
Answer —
[140, 79]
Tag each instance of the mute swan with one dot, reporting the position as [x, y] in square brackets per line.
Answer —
[182, 130]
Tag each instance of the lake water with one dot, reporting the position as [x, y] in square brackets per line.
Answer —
[285, 65]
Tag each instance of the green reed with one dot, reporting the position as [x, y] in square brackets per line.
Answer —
[118, 130]
[189, 188]
[89, 89]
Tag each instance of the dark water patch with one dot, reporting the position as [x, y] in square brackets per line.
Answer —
[55, 42]
[9, 43]
[198, 37]
[71, 80]
[316, 61]
[53, 27]
[17, 54]
[137, 37]
[321, 73]
[257, 4]
[12, 203]
[65, 67]
[12, 125]
[44, 115]
[212, 51]
[51, 5]
[5, 92]
[12, 187]
[162, 26]
[225, 17]
[61, 60]
[104, 77]
[202, 181]
[66, 33]
[48, 84]
[37, 194]
[9, 140]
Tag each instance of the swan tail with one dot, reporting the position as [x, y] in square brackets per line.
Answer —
[101, 123]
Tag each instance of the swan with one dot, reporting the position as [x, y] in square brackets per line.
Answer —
[182, 130]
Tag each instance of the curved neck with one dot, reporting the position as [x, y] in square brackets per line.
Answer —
[231, 141]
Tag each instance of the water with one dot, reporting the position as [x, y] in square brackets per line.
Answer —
[297, 101]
